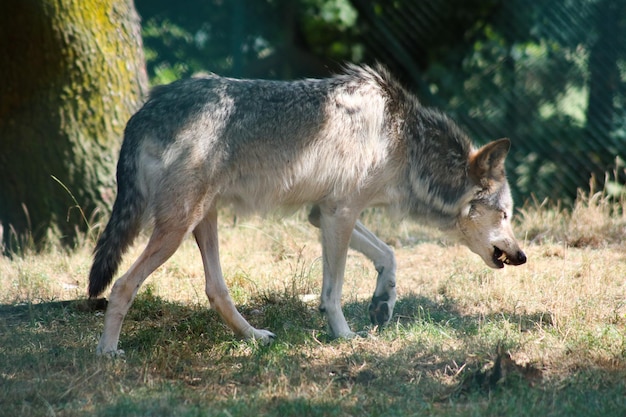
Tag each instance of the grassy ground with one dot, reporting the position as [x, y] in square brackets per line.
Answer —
[546, 339]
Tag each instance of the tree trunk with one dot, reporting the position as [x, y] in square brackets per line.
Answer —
[73, 73]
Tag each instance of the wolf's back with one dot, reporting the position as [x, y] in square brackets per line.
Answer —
[125, 222]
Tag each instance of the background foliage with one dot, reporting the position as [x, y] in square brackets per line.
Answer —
[549, 75]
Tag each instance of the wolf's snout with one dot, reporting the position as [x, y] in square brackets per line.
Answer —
[500, 258]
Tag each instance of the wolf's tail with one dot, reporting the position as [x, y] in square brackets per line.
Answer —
[124, 224]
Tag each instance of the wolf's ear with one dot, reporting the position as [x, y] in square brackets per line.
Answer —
[486, 165]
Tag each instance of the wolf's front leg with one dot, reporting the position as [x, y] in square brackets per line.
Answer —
[366, 242]
[384, 298]
[336, 227]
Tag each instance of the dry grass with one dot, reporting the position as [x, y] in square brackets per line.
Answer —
[546, 338]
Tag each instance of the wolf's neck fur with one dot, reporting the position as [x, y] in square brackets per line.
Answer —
[437, 167]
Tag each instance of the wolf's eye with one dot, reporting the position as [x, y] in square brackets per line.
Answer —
[504, 215]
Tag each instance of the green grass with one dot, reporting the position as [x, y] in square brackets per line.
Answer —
[546, 339]
[182, 361]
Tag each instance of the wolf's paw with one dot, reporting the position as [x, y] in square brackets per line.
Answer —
[380, 311]
[348, 334]
[263, 337]
[115, 353]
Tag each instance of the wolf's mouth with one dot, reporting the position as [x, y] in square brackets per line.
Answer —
[500, 257]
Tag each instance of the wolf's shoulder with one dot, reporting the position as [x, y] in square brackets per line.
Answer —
[377, 76]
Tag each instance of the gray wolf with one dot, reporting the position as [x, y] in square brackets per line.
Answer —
[340, 144]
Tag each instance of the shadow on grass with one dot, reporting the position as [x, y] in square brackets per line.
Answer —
[182, 360]
[412, 308]
[283, 314]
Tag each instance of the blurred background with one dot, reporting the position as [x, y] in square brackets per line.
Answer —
[550, 75]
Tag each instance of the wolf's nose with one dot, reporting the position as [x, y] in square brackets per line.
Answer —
[521, 257]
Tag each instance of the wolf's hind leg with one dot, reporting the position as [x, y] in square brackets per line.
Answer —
[162, 244]
[384, 298]
[216, 290]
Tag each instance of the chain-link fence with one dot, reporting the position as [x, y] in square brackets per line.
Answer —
[551, 75]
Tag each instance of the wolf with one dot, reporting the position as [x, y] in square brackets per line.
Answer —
[338, 145]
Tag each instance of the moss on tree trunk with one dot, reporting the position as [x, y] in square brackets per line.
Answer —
[73, 73]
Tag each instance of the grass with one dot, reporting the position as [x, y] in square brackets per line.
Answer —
[547, 338]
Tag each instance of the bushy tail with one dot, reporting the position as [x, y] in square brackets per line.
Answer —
[123, 226]
[118, 235]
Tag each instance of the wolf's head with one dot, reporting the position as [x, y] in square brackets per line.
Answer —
[484, 225]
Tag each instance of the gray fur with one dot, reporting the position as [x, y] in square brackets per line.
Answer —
[341, 144]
